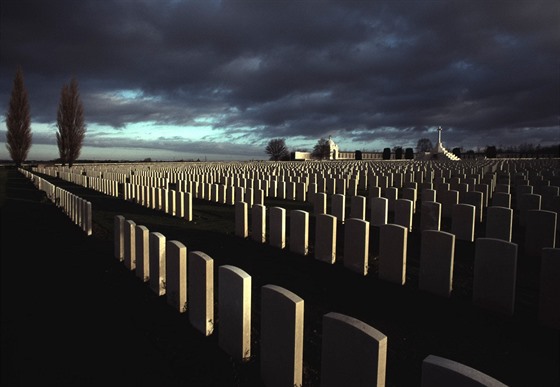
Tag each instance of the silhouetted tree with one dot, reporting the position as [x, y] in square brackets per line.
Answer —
[18, 122]
[398, 153]
[408, 153]
[70, 123]
[277, 150]
[387, 154]
[491, 152]
[457, 152]
[358, 155]
[424, 145]
[322, 150]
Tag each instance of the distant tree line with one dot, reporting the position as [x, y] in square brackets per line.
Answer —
[277, 150]
[69, 122]
[407, 154]
[525, 150]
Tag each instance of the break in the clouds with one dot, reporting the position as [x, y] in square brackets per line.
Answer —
[224, 77]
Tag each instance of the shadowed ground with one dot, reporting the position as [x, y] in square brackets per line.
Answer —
[72, 315]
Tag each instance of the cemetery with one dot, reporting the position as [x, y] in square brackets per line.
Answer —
[431, 272]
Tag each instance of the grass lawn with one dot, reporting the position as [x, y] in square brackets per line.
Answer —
[147, 337]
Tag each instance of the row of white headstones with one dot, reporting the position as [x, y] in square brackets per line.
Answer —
[495, 263]
[464, 206]
[549, 254]
[77, 209]
[352, 352]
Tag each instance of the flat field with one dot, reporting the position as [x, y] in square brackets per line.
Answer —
[72, 315]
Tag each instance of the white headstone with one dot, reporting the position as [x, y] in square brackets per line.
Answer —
[540, 231]
[118, 234]
[277, 220]
[281, 337]
[176, 275]
[241, 220]
[201, 291]
[527, 202]
[430, 216]
[501, 199]
[320, 203]
[475, 198]
[392, 194]
[258, 223]
[142, 253]
[462, 222]
[358, 207]
[495, 269]
[449, 199]
[403, 213]
[436, 262]
[410, 194]
[188, 206]
[299, 232]
[234, 308]
[130, 244]
[499, 223]
[379, 211]
[325, 238]
[339, 207]
[441, 372]
[352, 353]
[392, 253]
[356, 245]
[157, 263]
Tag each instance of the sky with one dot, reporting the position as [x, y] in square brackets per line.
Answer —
[216, 80]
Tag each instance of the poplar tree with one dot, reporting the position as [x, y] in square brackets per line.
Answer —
[18, 122]
[70, 124]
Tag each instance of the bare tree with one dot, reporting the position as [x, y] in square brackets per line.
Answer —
[322, 150]
[70, 123]
[18, 122]
[424, 145]
[277, 149]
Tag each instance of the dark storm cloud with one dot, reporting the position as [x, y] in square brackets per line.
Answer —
[358, 70]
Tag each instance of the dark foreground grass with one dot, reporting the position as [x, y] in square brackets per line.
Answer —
[3, 182]
[73, 315]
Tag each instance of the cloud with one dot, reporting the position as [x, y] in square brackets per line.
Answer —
[363, 71]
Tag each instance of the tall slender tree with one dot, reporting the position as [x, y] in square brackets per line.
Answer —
[18, 121]
[70, 124]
